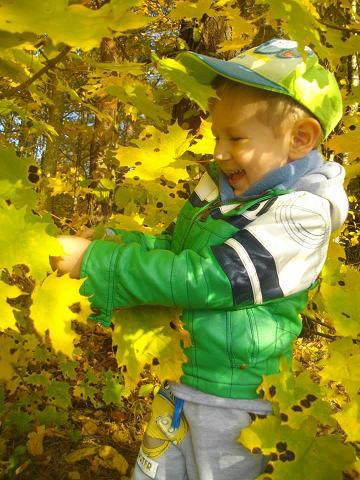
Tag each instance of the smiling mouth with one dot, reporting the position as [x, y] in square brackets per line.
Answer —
[235, 177]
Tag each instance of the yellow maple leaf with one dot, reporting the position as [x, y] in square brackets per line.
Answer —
[50, 310]
[157, 154]
[205, 141]
[349, 420]
[145, 335]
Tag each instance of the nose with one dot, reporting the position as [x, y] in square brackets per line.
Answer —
[221, 151]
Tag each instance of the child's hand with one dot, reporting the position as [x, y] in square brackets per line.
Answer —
[74, 248]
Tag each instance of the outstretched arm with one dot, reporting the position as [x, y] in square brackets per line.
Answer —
[75, 248]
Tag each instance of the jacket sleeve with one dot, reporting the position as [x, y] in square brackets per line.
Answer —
[147, 241]
[277, 254]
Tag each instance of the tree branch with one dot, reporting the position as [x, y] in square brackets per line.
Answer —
[338, 27]
[48, 66]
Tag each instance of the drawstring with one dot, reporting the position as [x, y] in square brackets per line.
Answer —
[178, 407]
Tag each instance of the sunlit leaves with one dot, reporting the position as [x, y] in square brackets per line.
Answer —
[339, 287]
[205, 141]
[158, 154]
[136, 93]
[25, 240]
[177, 73]
[347, 142]
[342, 366]
[349, 420]
[74, 25]
[50, 311]
[296, 452]
[300, 19]
[144, 335]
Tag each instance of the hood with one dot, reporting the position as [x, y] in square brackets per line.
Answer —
[311, 174]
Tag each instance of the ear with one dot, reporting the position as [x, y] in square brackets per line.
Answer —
[305, 135]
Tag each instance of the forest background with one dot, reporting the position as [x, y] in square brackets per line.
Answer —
[101, 126]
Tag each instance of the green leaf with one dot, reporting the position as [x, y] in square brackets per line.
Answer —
[137, 93]
[59, 393]
[177, 73]
[68, 369]
[84, 391]
[146, 389]
[113, 389]
[50, 416]
[20, 420]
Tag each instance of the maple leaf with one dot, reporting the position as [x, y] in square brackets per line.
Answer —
[157, 154]
[295, 452]
[143, 335]
[50, 311]
[25, 240]
[346, 142]
[73, 24]
[300, 19]
[242, 30]
[335, 300]
[343, 365]
[296, 397]
[113, 389]
[349, 420]
[185, 82]
[138, 94]
[205, 141]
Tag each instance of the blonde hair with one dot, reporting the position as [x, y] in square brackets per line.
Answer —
[279, 109]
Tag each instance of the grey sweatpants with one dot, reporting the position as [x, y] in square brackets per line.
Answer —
[203, 448]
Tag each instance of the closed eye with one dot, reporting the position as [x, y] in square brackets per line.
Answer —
[236, 139]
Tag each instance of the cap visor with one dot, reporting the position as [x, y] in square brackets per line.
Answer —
[205, 69]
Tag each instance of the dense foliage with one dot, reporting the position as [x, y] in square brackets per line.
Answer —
[100, 126]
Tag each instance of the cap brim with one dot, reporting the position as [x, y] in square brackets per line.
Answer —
[205, 69]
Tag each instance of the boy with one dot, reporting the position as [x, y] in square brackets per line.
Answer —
[246, 248]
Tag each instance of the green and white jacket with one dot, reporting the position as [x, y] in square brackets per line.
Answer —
[240, 269]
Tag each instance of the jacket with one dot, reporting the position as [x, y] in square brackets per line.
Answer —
[239, 269]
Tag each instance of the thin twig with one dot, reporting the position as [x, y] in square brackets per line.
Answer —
[338, 27]
[48, 66]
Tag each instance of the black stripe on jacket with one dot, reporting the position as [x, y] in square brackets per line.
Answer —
[235, 270]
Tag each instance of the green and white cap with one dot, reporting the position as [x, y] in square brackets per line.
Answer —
[277, 66]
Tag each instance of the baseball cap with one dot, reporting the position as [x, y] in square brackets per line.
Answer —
[277, 66]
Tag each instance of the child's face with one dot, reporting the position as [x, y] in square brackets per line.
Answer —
[246, 148]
